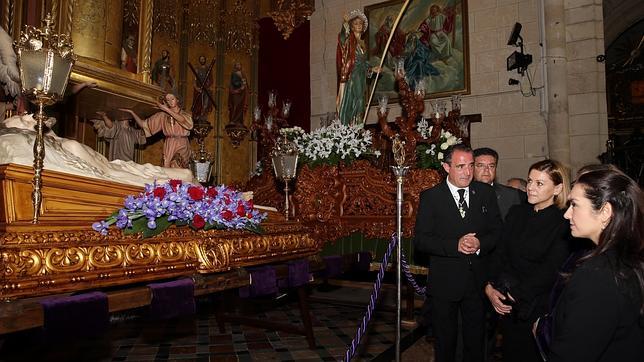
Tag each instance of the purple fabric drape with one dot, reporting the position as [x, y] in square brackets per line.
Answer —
[263, 282]
[77, 315]
[172, 299]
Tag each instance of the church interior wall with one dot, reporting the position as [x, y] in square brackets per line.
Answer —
[516, 126]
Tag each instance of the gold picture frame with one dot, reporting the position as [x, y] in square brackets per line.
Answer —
[431, 38]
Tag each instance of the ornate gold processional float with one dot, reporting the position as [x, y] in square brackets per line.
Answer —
[48, 246]
[62, 253]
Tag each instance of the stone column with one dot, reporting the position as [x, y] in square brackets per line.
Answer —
[557, 86]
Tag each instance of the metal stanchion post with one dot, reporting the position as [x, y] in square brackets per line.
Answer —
[400, 171]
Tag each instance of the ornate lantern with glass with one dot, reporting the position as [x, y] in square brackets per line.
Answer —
[284, 157]
[45, 61]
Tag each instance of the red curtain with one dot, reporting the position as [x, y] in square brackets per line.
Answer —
[285, 67]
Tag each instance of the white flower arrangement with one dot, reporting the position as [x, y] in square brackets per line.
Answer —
[332, 144]
[431, 155]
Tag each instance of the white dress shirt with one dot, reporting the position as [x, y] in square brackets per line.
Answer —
[454, 191]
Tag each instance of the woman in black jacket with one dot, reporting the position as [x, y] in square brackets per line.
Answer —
[599, 315]
[533, 246]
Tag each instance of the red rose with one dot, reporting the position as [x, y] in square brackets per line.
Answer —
[226, 200]
[196, 193]
[227, 215]
[250, 204]
[212, 192]
[240, 210]
[198, 222]
[159, 192]
[175, 184]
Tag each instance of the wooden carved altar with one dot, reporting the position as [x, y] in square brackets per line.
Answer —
[62, 253]
[336, 201]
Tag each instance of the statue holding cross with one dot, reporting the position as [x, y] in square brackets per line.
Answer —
[202, 101]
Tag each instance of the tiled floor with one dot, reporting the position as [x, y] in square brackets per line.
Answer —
[132, 338]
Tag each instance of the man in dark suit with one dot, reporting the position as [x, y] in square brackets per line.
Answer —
[485, 162]
[457, 224]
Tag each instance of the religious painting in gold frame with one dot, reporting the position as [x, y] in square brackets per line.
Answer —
[431, 41]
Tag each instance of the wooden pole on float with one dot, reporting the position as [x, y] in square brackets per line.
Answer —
[382, 58]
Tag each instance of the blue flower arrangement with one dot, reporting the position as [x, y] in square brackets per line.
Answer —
[178, 203]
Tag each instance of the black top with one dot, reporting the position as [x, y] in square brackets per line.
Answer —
[597, 317]
[532, 248]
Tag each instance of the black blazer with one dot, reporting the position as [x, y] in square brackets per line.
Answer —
[530, 252]
[439, 226]
[507, 197]
[597, 319]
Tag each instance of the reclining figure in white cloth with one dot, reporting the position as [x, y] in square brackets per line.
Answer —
[17, 137]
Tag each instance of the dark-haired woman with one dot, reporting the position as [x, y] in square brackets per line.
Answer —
[599, 315]
[534, 244]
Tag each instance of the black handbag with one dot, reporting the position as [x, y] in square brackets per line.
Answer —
[543, 335]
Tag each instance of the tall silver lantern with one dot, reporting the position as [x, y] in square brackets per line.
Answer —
[284, 157]
[45, 61]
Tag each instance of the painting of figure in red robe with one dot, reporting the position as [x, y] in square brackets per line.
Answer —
[430, 43]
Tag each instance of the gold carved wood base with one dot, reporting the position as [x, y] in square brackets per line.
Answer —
[63, 254]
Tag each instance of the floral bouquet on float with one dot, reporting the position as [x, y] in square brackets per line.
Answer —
[331, 145]
[183, 204]
[430, 155]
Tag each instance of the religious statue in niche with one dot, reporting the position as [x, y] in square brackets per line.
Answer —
[121, 135]
[162, 72]
[237, 95]
[201, 98]
[175, 123]
[352, 68]
[129, 53]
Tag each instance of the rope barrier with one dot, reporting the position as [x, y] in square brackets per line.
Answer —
[377, 285]
[351, 351]
[410, 278]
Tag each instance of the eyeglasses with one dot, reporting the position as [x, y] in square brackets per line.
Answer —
[489, 166]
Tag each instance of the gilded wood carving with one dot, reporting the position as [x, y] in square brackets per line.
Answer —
[65, 254]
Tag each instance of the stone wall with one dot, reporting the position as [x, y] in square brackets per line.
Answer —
[586, 81]
[516, 126]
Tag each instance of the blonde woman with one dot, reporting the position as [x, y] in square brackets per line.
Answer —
[534, 244]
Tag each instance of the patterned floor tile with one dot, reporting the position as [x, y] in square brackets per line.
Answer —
[133, 338]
